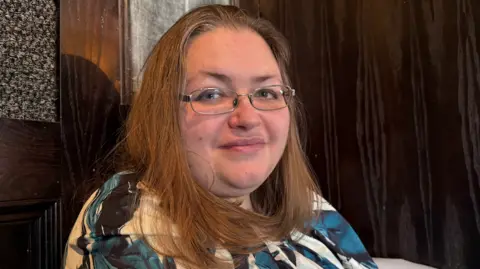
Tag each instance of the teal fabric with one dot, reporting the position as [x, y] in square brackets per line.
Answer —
[98, 239]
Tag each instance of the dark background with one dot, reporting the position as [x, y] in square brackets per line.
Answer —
[392, 92]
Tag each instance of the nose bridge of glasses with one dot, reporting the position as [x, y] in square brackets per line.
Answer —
[236, 100]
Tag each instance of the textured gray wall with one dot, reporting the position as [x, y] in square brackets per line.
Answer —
[149, 19]
[28, 87]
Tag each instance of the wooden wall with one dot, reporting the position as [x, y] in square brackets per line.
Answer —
[391, 88]
[30, 147]
[30, 202]
[90, 95]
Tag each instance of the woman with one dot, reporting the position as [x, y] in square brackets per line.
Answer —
[216, 175]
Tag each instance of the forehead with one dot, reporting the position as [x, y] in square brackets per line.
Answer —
[236, 52]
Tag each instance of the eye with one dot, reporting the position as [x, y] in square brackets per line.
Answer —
[210, 94]
[266, 93]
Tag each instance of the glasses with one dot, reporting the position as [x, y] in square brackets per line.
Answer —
[212, 101]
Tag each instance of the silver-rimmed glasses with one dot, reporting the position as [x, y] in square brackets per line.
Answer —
[213, 101]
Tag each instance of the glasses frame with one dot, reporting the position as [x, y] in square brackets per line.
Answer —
[290, 92]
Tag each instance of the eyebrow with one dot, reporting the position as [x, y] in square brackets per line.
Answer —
[227, 80]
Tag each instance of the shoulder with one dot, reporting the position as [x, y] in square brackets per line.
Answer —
[103, 235]
[320, 204]
[112, 205]
[332, 229]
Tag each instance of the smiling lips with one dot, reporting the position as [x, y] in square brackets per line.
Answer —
[244, 145]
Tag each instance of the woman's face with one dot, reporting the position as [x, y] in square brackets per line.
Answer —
[232, 154]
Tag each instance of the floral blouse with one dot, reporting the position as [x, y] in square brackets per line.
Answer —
[103, 237]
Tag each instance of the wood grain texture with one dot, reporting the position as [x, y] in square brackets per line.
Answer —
[391, 90]
[29, 160]
[29, 194]
[32, 230]
[89, 95]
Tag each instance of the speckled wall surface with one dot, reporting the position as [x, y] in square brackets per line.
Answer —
[28, 49]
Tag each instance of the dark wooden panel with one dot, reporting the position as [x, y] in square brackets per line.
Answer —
[29, 160]
[90, 29]
[17, 235]
[32, 230]
[252, 6]
[89, 96]
[392, 94]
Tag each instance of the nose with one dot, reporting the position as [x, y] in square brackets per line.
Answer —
[245, 116]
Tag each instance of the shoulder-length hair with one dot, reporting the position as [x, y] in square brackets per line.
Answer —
[188, 221]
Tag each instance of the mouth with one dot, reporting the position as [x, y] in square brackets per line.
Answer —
[244, 145]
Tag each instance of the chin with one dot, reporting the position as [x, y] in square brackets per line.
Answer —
[245, 180]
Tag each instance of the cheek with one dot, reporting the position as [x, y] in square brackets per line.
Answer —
[279, 126]
[190, 127]
[193, 139]
[199, 132]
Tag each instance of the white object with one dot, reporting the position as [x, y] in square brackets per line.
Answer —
[384, 263]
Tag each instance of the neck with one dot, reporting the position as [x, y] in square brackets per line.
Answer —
[245, 202]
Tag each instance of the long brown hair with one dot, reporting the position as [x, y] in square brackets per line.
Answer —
[188, 221]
